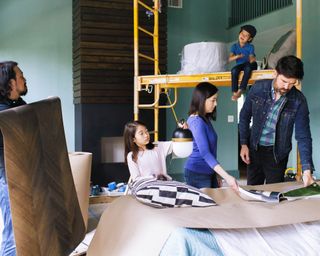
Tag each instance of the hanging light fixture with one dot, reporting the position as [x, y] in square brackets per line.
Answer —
[182, 142]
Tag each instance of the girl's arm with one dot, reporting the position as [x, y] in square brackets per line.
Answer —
[165, 147]
[133, 167]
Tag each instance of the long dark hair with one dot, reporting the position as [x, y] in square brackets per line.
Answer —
[128, 135]
[200, 94]
[6, 74]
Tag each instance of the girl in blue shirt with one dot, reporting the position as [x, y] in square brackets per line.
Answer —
[202, 165]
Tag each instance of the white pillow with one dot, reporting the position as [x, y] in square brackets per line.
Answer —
[161, 194]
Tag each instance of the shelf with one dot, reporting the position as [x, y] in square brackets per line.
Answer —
[186, 81]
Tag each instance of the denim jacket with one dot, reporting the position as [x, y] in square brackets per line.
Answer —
[294, 112]
[6, 104]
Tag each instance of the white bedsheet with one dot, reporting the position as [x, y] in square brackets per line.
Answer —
[1, 226]
[295, 239]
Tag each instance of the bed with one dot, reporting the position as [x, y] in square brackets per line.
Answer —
[128, 227]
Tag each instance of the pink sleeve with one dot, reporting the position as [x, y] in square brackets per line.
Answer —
[133, 167]
[165, 147]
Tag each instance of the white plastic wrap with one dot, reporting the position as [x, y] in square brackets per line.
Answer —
[204, 57]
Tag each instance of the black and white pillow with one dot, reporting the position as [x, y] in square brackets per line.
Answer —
[161, 194]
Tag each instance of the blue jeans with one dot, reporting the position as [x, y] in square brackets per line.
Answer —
[8, 246]
[201, 180]
[247, 68]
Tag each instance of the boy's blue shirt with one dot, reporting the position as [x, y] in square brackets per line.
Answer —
[246, 50]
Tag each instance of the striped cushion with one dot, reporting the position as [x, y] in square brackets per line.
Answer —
[161, 194]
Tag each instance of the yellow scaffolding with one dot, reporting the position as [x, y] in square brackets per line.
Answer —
[162, 83]
[155, 59]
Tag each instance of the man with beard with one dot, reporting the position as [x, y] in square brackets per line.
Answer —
[276, 107]
[12, 86]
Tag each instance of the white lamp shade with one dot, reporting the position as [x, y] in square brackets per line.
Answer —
[182, 149]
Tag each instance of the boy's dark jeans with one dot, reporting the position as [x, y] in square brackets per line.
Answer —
[263, 167]
[247, 68]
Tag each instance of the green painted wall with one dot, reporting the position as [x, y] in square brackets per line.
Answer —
[38, 35]
[185, 27]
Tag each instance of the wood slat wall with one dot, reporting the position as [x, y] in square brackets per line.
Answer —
[103, 49]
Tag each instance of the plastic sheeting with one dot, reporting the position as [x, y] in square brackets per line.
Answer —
[204, 57]
[285, 45]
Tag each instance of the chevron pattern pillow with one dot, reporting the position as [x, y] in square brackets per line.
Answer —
[162, 194]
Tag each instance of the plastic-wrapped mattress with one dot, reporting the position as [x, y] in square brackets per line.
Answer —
[204, 57]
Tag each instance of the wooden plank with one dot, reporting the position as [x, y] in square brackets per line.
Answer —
[103, 49]
[46, 216]
[104, 52]
[103, 93]
[114, 46]
[103, 100]
[99, 2]
[103, 81]
[111, 25]
[106, 59]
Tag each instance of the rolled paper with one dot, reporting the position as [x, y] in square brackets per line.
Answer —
[80, 163]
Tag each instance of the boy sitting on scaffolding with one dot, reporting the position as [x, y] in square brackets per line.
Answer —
[243, 53]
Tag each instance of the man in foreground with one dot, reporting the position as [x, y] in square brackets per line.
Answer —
[276, 107]
[12, 86]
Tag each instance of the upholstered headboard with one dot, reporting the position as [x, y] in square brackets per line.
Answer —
[46, 215]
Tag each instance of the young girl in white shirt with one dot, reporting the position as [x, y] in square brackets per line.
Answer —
[142, 156]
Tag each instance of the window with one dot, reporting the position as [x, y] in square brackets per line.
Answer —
[244, 10]
[175, 3]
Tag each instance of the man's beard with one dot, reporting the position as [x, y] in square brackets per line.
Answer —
[24, 92]
[283, 92]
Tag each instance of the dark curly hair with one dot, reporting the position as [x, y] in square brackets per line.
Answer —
[6, 74]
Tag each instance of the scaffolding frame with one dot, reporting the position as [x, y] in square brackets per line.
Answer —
[162, 83]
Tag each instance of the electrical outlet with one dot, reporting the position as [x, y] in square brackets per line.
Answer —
[230, 118]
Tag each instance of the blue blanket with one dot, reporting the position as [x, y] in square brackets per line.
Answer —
[187, 241]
